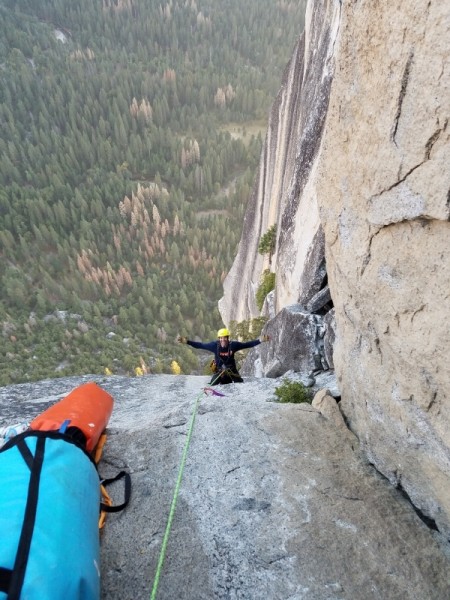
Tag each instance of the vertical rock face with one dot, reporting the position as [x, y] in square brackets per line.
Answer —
[355, 173]
[383, 188]
[281, 192]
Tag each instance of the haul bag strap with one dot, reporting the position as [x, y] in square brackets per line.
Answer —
[26, 453]
[127, 492]
[23, 550]
[5, 579]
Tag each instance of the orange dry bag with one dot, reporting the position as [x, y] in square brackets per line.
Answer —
[87, 407]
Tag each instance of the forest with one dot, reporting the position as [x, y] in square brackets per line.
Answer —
[130, 134]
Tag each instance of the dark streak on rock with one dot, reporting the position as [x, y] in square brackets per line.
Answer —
[401, 97]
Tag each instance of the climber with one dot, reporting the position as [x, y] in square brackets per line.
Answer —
[224, 364]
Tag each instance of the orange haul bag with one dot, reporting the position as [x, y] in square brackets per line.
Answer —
[87, 407]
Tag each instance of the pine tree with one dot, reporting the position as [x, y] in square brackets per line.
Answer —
[267, 243]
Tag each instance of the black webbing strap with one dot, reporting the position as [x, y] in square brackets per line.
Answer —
[127, 492]
[26, 453]
[5, 579]
[23, 550]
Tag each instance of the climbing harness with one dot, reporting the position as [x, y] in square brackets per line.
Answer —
[233, 376]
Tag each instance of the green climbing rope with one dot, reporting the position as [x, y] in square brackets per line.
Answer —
[173, 505]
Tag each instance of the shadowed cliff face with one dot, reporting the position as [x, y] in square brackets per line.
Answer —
[293, 139]
[355, 175]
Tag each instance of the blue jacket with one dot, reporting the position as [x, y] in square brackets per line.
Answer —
[224, 357]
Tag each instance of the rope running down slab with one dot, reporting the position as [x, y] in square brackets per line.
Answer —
[173, 505]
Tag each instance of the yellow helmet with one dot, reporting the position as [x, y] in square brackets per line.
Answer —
[223, 333]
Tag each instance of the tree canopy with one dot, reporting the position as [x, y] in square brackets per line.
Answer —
[130, 132]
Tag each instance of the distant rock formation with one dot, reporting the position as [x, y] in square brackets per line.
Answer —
[355, 175]
[288, 159]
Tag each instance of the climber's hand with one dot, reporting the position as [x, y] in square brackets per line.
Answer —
[181, 339]
[264, 338]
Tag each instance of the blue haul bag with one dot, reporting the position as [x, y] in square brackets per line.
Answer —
[49, 509]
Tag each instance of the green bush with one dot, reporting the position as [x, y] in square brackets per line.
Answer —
[266, 286]
[293, 391]
[247, 330]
